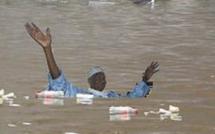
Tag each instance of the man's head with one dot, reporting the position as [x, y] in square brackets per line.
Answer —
[96, 78]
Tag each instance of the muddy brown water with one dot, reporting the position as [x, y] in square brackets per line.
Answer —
[123, 38]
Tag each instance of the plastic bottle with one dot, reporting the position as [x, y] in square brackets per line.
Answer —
[84, 98]
[122, 110]
[50, 94]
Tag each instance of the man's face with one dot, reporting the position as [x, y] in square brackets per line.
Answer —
[98, 81]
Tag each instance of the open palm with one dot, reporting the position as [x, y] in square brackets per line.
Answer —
[42, 39]
[150, 70]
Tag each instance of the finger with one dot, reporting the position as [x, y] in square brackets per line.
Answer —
[35, 27]
[29, 29]
[156, 65]
[152, 63]
[150, 66]
[48, 32]
[156, 70]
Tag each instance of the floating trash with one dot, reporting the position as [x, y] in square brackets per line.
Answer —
[53, 101]
[11, 125]
[175, 117]
[100, 3]
[173, 108]
[9, 95]
[26, 97]
[122, 113]
[70, 133]
[84, 99]
[154, 112]
[14, 105]
[1, 92]
[50, 94]
[146, 113]
[26, 123]
[121, 117]
[164, 116]
[172, 113]
[6, 97]
[122, 109]
[163, 111]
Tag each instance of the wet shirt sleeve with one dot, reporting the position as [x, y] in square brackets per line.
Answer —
[61, 84]
[141, 89]
[113, 94]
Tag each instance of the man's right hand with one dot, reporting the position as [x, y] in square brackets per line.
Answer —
[42, 39]
[150, 70]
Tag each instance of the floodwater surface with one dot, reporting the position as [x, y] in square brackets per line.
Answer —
[123, 38]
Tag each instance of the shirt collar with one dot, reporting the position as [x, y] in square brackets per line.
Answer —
[98, 93]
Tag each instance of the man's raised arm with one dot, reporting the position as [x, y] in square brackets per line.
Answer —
[44, 40]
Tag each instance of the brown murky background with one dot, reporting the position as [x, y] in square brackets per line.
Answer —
[123, 38]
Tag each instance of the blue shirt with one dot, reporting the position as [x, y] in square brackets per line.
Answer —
[141, 89]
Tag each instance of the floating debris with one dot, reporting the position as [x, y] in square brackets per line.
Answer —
[70, 133]
[172, 113]
[9, 96]
[26, 123]
[173, 108]
[14, 105]
[50, 94]
[26, 97]
[53, 101]
[121, 117]
[84, 99]
[154, 112]
[175, 117]
[1, 92]
[122, 113]
[163, 111]
[146, 113]
[163, 116]
[122, 110]
[100, 3]
[11, 125]
[6, 97]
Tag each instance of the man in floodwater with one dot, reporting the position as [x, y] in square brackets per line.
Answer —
[96, 75]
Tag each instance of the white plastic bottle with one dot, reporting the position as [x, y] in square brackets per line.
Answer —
[50, 94]
[122, 110]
